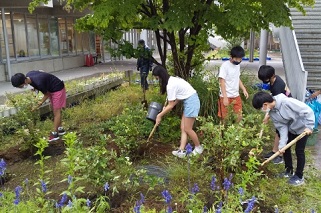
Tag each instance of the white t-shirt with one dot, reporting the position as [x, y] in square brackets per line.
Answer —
[178, 88]
[231, 74]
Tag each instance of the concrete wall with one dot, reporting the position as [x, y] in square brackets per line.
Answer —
[48, 65]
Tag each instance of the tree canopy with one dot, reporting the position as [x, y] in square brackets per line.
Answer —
[184, 25]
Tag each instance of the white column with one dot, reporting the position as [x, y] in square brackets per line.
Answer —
[263, 47]
[5, 36]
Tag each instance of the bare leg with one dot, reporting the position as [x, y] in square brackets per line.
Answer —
[57, 119]
[187, 129]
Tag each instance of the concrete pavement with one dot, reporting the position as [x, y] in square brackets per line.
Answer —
[130, 64]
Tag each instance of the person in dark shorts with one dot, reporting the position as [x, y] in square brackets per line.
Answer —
[52, 88]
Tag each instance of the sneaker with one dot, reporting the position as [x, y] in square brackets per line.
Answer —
[278, 160]
[286, 174]
[198, 150]
[296, 181]
[268, 155]
[53, 136]
[179, 153]
[61, 131]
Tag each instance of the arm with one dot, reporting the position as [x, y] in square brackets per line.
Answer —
[166, 109]
[44, 98]
[244, 90]
[223, 91]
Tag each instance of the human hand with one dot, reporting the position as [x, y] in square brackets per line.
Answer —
[225, 101]
[158, 119]
[245, 94]
[281, 152]
[266, 118]
[308, 131]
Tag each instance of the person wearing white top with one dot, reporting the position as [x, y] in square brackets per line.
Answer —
[180, 90]
[230, 83]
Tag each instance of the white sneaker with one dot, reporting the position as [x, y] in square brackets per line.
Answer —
[179, 153]
[198, 150]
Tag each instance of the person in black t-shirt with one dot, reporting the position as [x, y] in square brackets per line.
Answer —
[52, 88]
[277, 86]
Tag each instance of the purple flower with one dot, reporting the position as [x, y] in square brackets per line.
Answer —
[3, 167]
[213, 183]
[205, 209]
[69, 204]
[43, 186]
[26, 181]
[142, 198]
[88, 202]
[62, 201]
[137, 207]
[106, 187]
[276, 210]
[241, 191]
[195, 189]
[226, 184]
[16, 201]
[189, 149]
[17, 191]
[169, 209]
[219, 208]
[167, 196]
[69, 179]
[250, 205]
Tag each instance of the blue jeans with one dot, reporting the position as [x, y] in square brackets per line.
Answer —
[144, 70]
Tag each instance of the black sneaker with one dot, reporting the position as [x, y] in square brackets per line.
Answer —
[269, 155]
[278, 160]
[296, 181]
[286, 174]
[61, 131]
[53, 136]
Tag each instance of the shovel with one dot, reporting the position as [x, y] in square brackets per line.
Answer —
[285, 148]
[144, 101]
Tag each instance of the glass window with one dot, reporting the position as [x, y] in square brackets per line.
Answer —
[54, 45]
[9, 34]
[92, 40]
[63, 35]
[70, 35]
[78, 40]
[44, 35]
[32, 35]
[85, 42]
[20, 34]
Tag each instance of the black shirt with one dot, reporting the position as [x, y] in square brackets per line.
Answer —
[278, 86]
[45, 82]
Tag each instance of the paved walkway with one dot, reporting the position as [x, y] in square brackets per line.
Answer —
[130, 64]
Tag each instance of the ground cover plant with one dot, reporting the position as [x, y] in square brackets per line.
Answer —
[104, 163]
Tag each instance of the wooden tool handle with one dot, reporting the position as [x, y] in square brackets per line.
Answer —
[152, 132]
[261, 133]
[284, 148]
